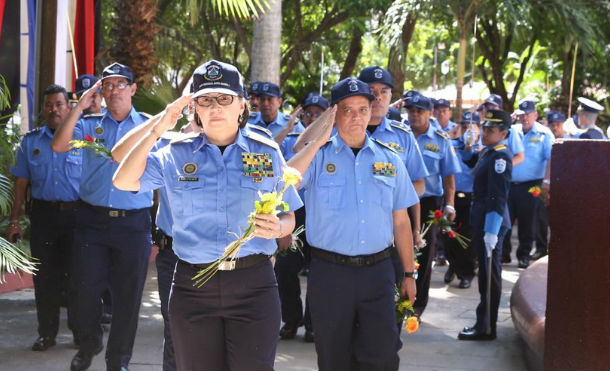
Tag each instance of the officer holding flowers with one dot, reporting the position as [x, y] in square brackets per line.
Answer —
[357, 192]
[212, 181]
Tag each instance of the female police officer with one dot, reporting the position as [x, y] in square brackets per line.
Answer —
[489, 219]
[232, 321]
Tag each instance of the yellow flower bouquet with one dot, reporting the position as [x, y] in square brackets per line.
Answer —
[270, 203]
[405, 312]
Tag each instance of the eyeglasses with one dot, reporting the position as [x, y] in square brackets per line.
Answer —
[222, 100]
[311, 115]
[110, 86]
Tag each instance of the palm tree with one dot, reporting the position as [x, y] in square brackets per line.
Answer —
[265, 59]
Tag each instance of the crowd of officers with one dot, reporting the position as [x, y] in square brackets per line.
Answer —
[370, 181]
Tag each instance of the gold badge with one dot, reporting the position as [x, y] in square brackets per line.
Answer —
[99, 130]
[36, 151]
[331, 168]
[189, 168]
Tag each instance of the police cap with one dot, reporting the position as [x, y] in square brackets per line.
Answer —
[497, 118]
[589, 105]
[84, 82]
[526, 106]
[470, 117]
[350, 87]
[314, 99]
[494, 99]
[442, 103]
[270, 89]
[555, 116]
[118, 70]
[376, 74]
[217, 77]
[419, 101]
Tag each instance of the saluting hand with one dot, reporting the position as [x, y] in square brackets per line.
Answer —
[87, 99]
[267, 226]
[173, 112]
[293, 116]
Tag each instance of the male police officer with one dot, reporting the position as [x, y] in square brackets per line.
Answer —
[442, 163]
[489, 218]
[357, 193]
[113, 241]
[270, 101]
[54, 180]
[587, 115]
[83, 83]
[534, 171]
[442, 112]
[253, 96]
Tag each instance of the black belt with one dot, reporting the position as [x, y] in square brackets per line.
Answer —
[55, 205]
[113, 213]
[354, 261]
[528, 182]
[230, 265]
[162, 240]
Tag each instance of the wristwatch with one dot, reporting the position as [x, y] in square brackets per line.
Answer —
[409, 274]
[546, 181]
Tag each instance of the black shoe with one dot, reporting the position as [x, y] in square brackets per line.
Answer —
[122, 368]
[464, 283]
[288, 331]
[470, 333]
[106, 318]
[537, 255]
[82, 360]
[523, 263]
[506, 259]
[43, 343]
[449, 275]
[309, 336]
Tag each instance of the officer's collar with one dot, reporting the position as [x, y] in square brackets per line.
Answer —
[385, 125]
[276, 120]
[133, 115]
[240, 140]
[46, 130]
[431, 129]
[338, 144]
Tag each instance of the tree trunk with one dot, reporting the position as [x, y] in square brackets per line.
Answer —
[398, 55]
[564, 97]
[355, 48]
[265, 61]
[135, 32]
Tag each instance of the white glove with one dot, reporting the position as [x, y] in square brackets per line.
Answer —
[490, 242]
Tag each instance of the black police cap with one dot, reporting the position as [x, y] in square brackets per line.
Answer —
[497, 118]
[270, 89]
[442, 103]
[314, 99]
[555, 116]
[118, 70]
[420, 101]
[84, 82]
[470, 117]
[350, 87]
[217, 77]
[376, 74]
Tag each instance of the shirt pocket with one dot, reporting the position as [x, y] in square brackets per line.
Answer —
[250, 189]
[39, 166]
[73, 166]
[332, 191]
[384, 186]
[188, 196]
[432, 161]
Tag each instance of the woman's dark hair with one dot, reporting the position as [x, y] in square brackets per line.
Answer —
[242, 120]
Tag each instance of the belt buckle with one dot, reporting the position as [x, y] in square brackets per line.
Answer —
[113, 213]
[226, 265]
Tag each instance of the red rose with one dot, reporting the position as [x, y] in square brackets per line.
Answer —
[451, 234]
[535, 193]
[438, 215]
[89, 138]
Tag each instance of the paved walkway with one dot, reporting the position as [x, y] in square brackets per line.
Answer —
[433, 347]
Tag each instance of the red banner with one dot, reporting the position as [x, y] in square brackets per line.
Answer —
[2, 4]
[84, 37]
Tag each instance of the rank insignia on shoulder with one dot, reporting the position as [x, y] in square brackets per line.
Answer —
[500, 165]
[383, 144]
[400, 126]
[384, 168]
[261, 139]
[443, 134]
[500, 147]
[257, 165]
[253, 114]
[432, 148]
[395, 146]
[263, 130]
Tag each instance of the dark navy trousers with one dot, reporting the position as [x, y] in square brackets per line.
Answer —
[353, 314]
[230, 323]
[424, 273]
[111, 251]
[166, 264]
[52, 237]
[461, 259]
[523, 207]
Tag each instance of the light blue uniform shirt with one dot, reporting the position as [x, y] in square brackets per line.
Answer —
[280, 122]
[349, 208]
[53, 176]
[450, 125]
[439, 157]
[163, 220]
[537, 142]
[401, 139]
[464, 179]
[210, 195]
[96, 185]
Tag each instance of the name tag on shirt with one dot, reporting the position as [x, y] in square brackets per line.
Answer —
[188, 179]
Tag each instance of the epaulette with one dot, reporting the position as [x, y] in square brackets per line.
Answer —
[91, 115]
[147, 115]
[399, 126]
[184, 137]
[261, 139]
[500, 147]
[442, 134]
[383, 144]
[293, 134]
[286, 117]
[253, 114]
[33, 131]
[266, 131]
